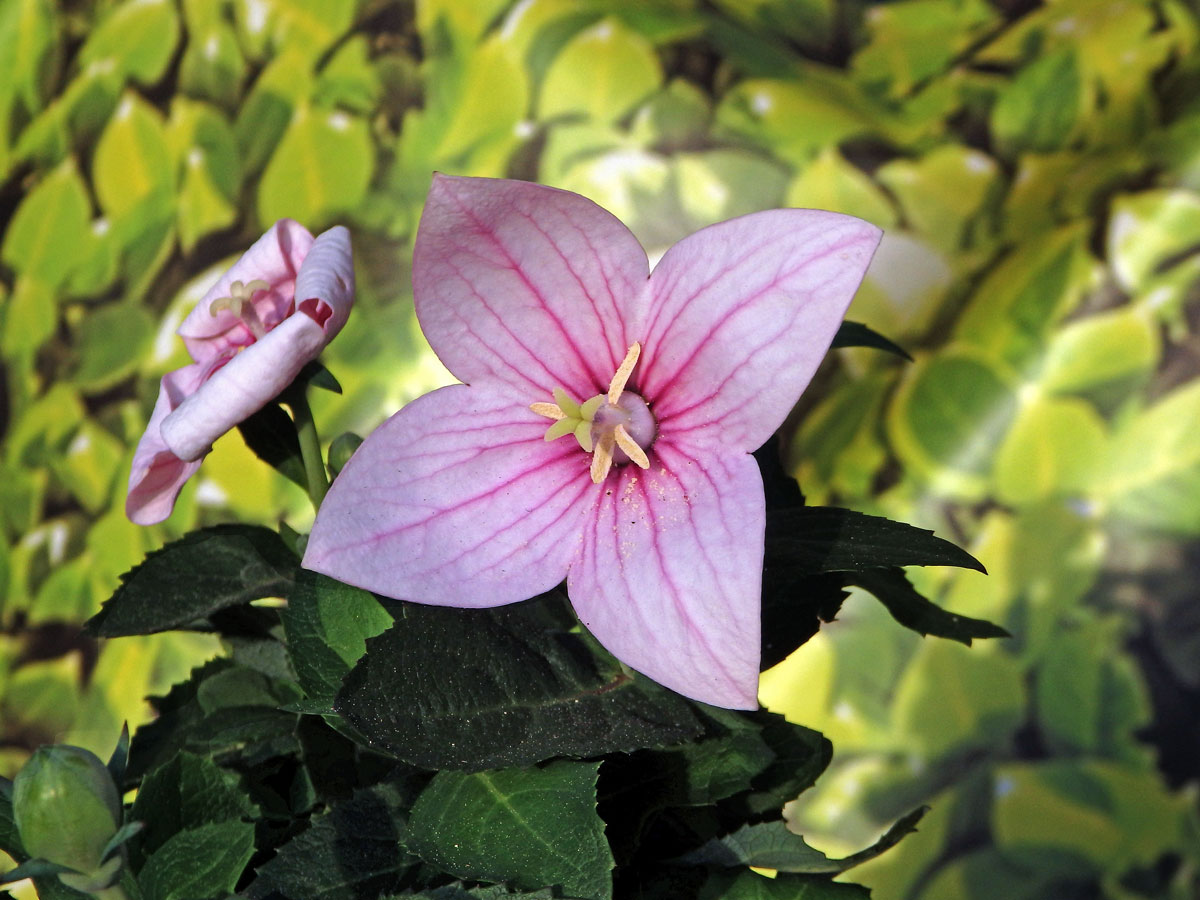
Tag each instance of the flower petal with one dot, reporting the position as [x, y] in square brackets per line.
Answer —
[244, 385]
[670, 575]
[741, 315]
[534, 286]
[455, 500]
[157, 474]
[275, 258]
[327, 278]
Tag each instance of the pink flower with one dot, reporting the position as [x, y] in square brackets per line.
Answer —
[541, 302]
[248, 344]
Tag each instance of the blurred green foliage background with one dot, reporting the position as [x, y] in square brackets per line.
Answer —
[1037, 168]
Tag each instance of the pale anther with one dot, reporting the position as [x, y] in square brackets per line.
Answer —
[239, 303]
[549, 410]
[617, 385]
[602, 457]
[636, 454]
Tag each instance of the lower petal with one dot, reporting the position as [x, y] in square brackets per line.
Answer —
[456, 500]
[157, 474]
[670, 576]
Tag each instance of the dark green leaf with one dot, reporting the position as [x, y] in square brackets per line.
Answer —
[223, 710]
[459, 891]
[801, 755]
[747, 885]
[780, 488]
[354, 850]
[478, 689]
[195, 576]
[856, 334]
[271, 435]
[768, 845]
[771, 845]
[829, 539]
[327, 624]
[529, 827]
[185, 793]
[201, 862]
[910, 609]
[793, 607]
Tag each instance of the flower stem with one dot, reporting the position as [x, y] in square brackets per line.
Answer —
[310, 447]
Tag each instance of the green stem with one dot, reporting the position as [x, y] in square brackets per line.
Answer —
[310, 447]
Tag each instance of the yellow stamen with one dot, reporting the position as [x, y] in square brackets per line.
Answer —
[239, 303]
[636, 454]
[617, 385]
[602, 457]
[549, 410]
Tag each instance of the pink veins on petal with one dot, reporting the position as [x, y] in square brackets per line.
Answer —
[604, 427]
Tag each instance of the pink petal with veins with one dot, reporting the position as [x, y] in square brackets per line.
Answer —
[670, 576]
[275, 258]
[742, 314]
[257, 374]
[536, 287]
[456, 500]
[157, 474]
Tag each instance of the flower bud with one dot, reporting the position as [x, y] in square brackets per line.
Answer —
[342, 449]
[67, 809]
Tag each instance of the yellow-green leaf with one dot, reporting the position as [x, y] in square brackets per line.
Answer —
[321, 168]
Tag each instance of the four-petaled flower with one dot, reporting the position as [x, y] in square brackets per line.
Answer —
[272, 312]
[543, 305]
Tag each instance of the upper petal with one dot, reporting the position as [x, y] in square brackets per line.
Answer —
[455, 500]
[327, 278]
[157, 475]
[275, 258]
[536, 287]
[244, 385]
[670, 576]
[741, 315]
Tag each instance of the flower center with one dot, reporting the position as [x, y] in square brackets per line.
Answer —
[239, 303]
[616, 427]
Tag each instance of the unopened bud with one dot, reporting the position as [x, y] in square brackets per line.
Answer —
[67, 809]
[342, 449]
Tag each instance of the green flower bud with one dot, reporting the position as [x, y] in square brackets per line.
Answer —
[342, 449]
[67, 809]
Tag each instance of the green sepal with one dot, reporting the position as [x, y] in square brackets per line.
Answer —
[119, 760]
[856, 334]
[34, 868]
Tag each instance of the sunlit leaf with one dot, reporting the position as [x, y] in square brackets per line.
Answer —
[1054, 448]
[602, 72]
[139, 38]
[49, 231]
[320, 169]
[132, 161]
